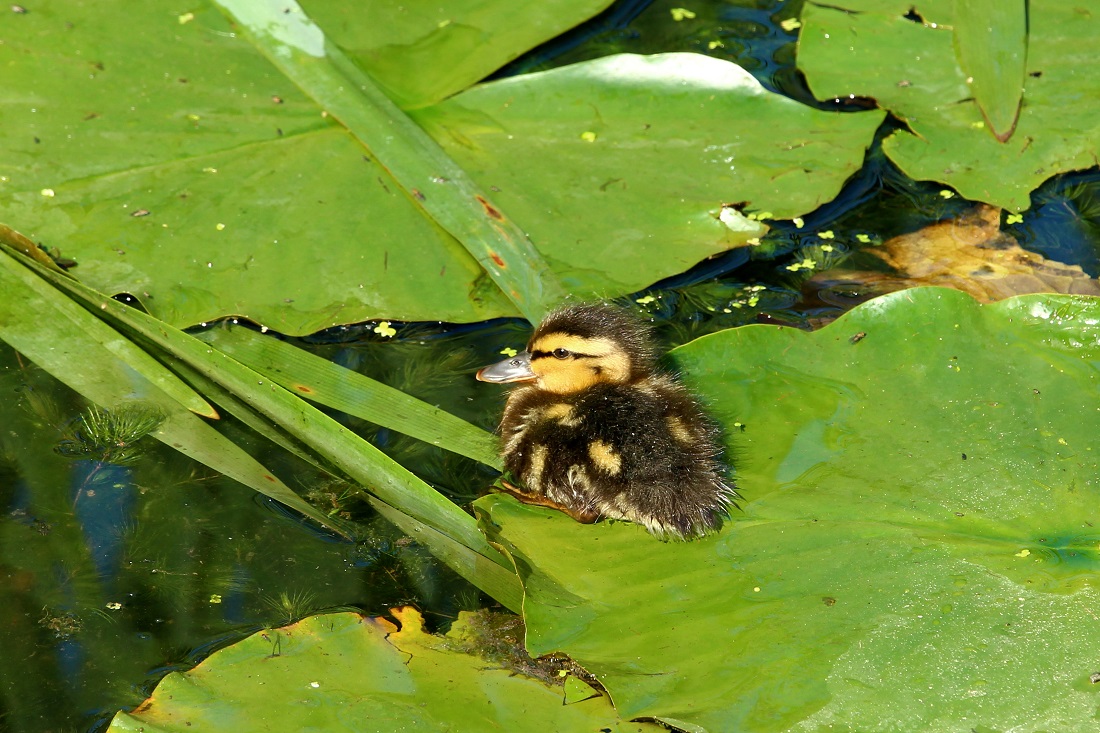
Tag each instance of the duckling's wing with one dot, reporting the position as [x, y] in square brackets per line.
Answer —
[653, 457]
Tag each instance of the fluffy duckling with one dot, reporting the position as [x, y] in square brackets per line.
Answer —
[597, 431]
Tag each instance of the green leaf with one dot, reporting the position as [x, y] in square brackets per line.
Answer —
[377, 472]
[619, 167]
[904, 57]
[175, 162]
[329, 384]
[421, 53]
[991, 46]
[577, 690]
[298, 47]
[919, 532]
[258, 203]
[342, 671]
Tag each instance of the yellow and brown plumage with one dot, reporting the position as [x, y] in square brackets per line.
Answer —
[596, 431]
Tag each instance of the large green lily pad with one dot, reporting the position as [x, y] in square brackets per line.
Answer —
[183, 168]
[174, 161]
[422, 53]
[637, 155]
[903, 55]
[345, 672]
[918, 545]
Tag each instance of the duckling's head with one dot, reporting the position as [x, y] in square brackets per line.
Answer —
[578, 347]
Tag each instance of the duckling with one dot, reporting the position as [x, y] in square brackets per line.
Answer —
[595, 430]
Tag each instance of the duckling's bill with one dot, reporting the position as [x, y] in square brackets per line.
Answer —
[516, 369]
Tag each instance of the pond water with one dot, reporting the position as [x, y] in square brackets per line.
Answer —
[115, 572]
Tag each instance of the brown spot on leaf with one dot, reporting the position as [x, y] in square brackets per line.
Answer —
[490, 209]
[303, 388]
[497, 259]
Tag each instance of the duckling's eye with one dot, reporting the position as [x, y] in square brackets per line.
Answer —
[561, 353]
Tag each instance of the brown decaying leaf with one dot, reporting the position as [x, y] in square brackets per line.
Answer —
[970, 253]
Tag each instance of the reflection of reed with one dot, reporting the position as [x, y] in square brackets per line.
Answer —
[291, 607]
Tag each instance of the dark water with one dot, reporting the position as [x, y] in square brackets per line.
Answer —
[114, 573]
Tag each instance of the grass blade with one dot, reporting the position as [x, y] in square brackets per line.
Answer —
[485, 573]
[329, 384]
[360, 460]
[45, 322]
[491, 577]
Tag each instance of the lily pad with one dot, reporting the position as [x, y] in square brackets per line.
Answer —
[918, 542]
[991, 46]
[637, 155]
[345, 672]
[177, 163]
[903, 55]
[183, 168]
[422, 53]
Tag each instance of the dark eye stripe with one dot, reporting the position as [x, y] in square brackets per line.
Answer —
[546, 354]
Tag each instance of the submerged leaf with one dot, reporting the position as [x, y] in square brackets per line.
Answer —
[969, 253]
[110, 436]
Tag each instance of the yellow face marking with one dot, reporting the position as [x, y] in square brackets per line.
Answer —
[604, 457]
[679, 431]
[533, 477]
[590, 361]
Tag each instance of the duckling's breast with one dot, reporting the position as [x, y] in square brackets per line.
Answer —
[544, 444]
